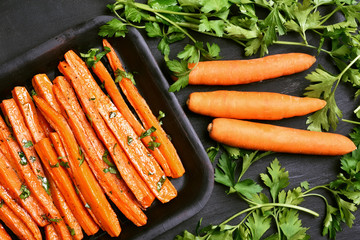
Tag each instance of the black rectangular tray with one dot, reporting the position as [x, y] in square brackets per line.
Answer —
[195, 187]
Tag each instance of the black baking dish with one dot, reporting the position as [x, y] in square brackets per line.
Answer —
[195, 187]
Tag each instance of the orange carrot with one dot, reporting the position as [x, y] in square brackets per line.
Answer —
[143, 162]
[14, 182]
[3, 234]
[28, 110]
[65, 211]
[127, 171]
[23, 136]
[267, 137]
[43, 88]
[84, 178]
[45, 125]
[95, 154]
[12, 221]
[65, 185]
[146, 116]
[20, 212]
[233, 72]
[111, 88]
[251, 105]
[50, 233]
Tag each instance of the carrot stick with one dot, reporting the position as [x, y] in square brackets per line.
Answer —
[20, 212]
[146, 116]
[43, 88]
[64, 162]
[3, 234]
[233, 72]
[65, 211]
[252, 105]
[12, 221]
[84, 178]
[50, 233]
[95, 154]
[23, 136]
[34, 177]
[28, 110]
[45, 125]
[111, 88]
[266, 137]
[127, 171]
[64, 184]
[144, 163]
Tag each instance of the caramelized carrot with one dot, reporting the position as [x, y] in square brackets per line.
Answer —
[252, 105]
[84, 178]
[50, 233]
[20, 212]
[146, 116]
[95, 153]
[137, 153]
[12, 221]
[267, 137]
[126, 169]
[111, 88]
[64, 184]
[45, 125]
[232, 72]
[43, 88]
[3, 234]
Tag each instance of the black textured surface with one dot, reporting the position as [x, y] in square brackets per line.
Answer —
[27, 24]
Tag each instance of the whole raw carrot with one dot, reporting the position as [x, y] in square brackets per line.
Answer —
[3, 234]
[233, 72]
[251, 105]
[84, 178]
[146, 116]
[267, 137]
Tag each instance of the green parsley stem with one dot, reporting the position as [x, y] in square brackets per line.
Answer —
[351, 121]
[330, 14]
[301, 44]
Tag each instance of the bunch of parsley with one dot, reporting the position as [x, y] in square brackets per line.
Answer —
[280, 206]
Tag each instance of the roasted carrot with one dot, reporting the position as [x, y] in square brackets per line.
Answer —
[63, 182]
[126, 169]
[95, 154]
[146, 116]
[233, 72]
[20, 212]
[137, 153]
[13, 182]
[252, 105]
[22, 135]
[3, 234]
[43, 88]
[12, 221]
[267, 137]
[84, 178]
[45, 125]
[111, 88]
[50, 233]
[65, 211]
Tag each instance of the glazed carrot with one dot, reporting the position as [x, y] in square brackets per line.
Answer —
[43, 88]
[12, 221]
[65, 211]
[64, 184]
[3, 234]
[14, 182]
[233, 72]
[64, 162]
[20, 212]
[267, 137]
[146, 116]
[111, 88]
[127, 171]
[84, 178]
[137, 153]
[251, 105]
[28, 110]
[95, 154]
[22, 135]
[45, 125]
[50, 233]
[34, 176]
